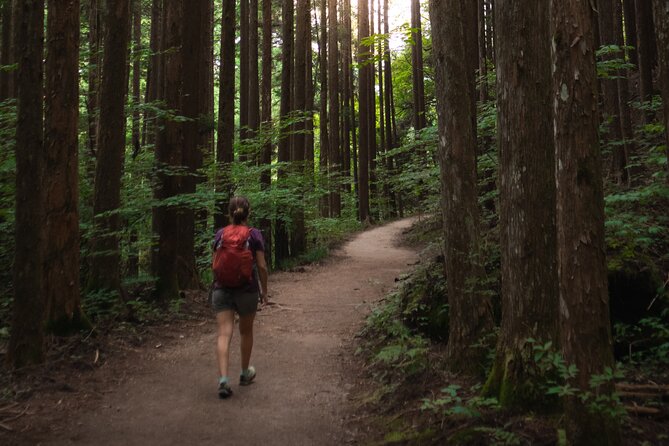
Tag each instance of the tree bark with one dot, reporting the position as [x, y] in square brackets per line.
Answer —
[61, 173]
[585, 331]
[226, 114]
[105, 273]
[527, 201]
[364, 80]
[621, 154]
[469, 309]
[169, 156]
[26, 344]
[662, 30]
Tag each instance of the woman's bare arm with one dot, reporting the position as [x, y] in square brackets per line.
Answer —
[262, 272]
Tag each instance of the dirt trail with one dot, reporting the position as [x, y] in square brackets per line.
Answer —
[303, 345]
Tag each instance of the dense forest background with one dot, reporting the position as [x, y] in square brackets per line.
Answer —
[532, 134]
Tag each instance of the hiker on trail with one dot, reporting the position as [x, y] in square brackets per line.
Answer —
[240, 279]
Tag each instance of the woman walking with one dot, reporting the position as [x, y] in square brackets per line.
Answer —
[240, 279]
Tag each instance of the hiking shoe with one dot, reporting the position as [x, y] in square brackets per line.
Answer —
[224, 391]
[247, 378]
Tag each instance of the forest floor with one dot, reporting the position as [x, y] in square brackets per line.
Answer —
[161, 389]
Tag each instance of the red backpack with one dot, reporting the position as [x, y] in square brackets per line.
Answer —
[233, 259]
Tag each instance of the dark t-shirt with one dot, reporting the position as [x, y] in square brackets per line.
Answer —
[256, 243]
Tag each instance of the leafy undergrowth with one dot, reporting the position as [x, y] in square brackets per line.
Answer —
[414, 400]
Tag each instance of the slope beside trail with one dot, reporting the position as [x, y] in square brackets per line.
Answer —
[303, 348]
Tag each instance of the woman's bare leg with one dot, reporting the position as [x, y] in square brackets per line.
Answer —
[246, 333]
[226, 323]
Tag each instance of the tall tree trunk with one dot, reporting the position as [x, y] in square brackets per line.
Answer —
[310, 91]
[629, 8]
[266, 111]
[169, 156]
[154, 70]
[254, 75]
[7, 51]
[334, 87]
[364, 81]
[622, 153]
[193, 74]
[483, 69]
[26, 344]
[136, 74]
[388, 93]
[286, 107]
[226, 113]
[61, 173]
[646, 49]
[470, 310]
[662, 30]
[105, 273]
[243, 77]
[383, 147]
[345, 121]
[302, 39]
[417, 67]
[324, 160]
[610, 100]
[94, 18]
[585, 331]
[527, 199]
[372, 115]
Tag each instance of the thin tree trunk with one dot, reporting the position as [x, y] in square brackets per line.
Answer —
[286, 107]
[302, 39]
[93, 73]
[310, 90]
[266, 111]
[26, 344]
[136, 74]
[662, 30]
[334, 87]
[483, 69]
[345, 121]
[324, 160]
[646, 49]
[364, 80]
[610, 100]
[629, 9]
[7, 51]
[417, 67]
[226, 114]
[244, 84]
[388, 92]
[527, 201]
[254, 75]
[585, 331]
[105, 272]
[469, 308]
[622, 153]
[372, 115]
[153, 71]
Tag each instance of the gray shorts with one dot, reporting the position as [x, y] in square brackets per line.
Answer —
[240, 301]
